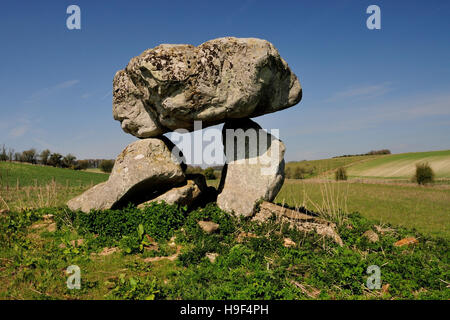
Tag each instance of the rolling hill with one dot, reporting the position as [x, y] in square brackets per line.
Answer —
[392, 166]
[402, 165]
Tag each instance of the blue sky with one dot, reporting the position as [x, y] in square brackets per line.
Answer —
[362, 89]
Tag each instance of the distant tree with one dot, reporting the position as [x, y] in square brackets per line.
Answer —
[424, 174]
[29, 156]
[10, 154]
[81, 165]
[3, 155]
[18, 156]
[106, 165]
[341, 174]
[209, 174]
[55, 160]
[376, 152]
[44, 156]
[68, 161]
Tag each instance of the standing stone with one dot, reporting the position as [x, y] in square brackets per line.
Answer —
[254, 170]
[143, 170]
[172, 85]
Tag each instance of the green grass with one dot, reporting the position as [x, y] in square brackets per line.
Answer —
[324, 166]
[402, 165]
[12, 173]
[394, 166]
[32, 186]
[33, 261]
[425, 208]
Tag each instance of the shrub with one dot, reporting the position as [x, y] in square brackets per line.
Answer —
[341, 174]
[29, 156]
[209, 174]
[68, 161]
[193, 169]
[158, 220]
[44, 156]
[3, 155]
[288, 172]
[106, 165]
[135, 289]
[55, 160]
[424, 174]
[299, 173]
[81, 165]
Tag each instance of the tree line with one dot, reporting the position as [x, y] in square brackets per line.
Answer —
[54, 159]
[370, 153]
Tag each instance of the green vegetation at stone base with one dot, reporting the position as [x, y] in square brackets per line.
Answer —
[256, 266]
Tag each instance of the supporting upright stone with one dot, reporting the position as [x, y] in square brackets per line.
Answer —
[255, 167]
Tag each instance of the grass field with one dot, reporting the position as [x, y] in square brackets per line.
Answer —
[324, 166]
[31, 186]
[24, 174]
[425, 208]
[393, 166]
[171, 259]
[402, 165]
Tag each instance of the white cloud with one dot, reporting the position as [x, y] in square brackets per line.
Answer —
[108, 94]
[86, 95]
[18, 131]
[45, 92]
[361, 92]
[370, 116]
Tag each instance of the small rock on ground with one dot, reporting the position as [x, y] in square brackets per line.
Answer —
[208, 226]
[406, 241]
[371, 236]
[212, 256]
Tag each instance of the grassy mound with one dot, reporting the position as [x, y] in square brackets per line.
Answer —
[161, 252]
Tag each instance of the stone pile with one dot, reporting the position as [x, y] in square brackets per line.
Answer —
[226, 80]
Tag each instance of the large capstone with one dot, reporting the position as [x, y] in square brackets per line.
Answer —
[254, 170]
[144, 170]
[171, 86]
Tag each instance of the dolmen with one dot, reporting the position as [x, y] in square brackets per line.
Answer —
[168, 88]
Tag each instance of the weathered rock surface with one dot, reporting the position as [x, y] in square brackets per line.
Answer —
[170, 86]
[297, 220]
[183, 195]
[371, 236]
[254, 170]
[208, 226]
[144, 169]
